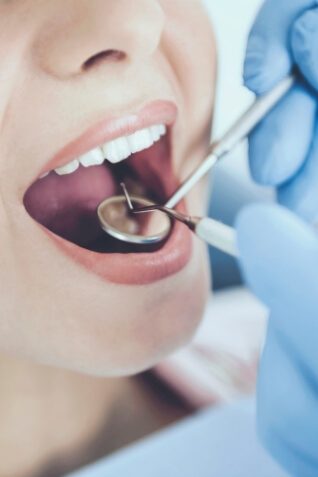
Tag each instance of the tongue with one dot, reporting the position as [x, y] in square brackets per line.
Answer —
[67, 205]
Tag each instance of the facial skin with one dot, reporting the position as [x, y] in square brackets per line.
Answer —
[52, 309]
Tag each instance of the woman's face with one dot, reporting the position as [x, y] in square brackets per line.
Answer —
[75, 76]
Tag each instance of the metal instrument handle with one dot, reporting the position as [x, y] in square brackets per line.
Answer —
[239, 131]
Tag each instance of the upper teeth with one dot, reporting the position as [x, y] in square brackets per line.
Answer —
[117, 150]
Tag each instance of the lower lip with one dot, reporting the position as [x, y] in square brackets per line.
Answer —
[134, 269]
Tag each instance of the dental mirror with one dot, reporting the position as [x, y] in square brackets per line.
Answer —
[116, 214]
[117, 219]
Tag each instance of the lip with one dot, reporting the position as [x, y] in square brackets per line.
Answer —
[134, 269]
[156, 112]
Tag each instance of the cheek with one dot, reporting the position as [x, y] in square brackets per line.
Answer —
[192, 58]
[192, 49]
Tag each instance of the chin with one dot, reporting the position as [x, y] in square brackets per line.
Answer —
[161, 318]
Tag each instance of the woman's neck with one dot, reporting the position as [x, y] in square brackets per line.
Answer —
[47, 415]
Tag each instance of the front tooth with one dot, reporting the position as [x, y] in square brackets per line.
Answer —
[123, 148]
[140, 140]
[110, 152]
[155, 132]
[68, 168]
[146, 137]
[92, 158]
[162, 129]
[117, 150]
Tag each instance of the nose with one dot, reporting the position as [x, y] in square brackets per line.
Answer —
[78, 35]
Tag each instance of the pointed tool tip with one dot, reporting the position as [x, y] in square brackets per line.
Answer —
[128, 199]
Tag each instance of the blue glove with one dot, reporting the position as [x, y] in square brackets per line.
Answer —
[284, 148]
[279, 259]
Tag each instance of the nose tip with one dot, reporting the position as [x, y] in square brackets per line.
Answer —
[98, 31]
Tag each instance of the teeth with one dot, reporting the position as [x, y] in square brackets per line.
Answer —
[140, 140]
[68, 168]
[162, 129]
[92, 158]
[155, 132]
[117, 150]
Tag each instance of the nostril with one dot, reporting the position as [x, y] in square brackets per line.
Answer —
[112, 55]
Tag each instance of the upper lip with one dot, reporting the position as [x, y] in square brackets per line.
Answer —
[156, 112]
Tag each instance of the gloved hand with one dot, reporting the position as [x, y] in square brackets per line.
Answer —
[279, 259]
[284, 148]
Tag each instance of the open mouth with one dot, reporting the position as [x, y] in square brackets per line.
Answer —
[64, 200]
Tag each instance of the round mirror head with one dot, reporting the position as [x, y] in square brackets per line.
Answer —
[118, 221]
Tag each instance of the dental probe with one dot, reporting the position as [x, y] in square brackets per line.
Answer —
[215, 233]
[206, 228]
[239, 131]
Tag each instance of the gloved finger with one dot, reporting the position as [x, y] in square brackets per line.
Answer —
[301, 193]
[287, 408]
[279, 145]
[277, 251]
[279, 260]
[268, 57]
[304, 42]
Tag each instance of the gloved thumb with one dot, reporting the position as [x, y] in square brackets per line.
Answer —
[278, 256]
[304, 42]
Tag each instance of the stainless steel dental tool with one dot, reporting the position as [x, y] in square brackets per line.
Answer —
[126, 229]
[215, 233]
